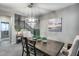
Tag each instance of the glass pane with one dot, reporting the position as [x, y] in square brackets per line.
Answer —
[4, 30]
[7, 27]
[2, 26]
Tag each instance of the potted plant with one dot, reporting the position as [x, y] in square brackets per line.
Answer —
[44, 39]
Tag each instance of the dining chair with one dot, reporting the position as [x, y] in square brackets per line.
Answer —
[74, 50]
[31, 46]
[28, 46]
[25, 48]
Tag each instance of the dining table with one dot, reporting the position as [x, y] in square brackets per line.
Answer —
[49, 48]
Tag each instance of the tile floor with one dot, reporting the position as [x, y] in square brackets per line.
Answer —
[11, 50]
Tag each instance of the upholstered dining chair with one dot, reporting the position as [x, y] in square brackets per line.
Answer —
[75, 47]
[74, 50]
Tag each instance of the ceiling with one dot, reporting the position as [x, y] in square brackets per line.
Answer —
[37, 9]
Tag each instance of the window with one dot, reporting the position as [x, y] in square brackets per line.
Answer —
[4, 29]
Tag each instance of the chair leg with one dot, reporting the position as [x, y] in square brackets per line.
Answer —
[34, 51]
[22, 52]
[28, 53]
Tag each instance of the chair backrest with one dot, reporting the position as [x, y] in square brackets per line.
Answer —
[25, 45]
[29, 44]
[24, 41]
[75, 46]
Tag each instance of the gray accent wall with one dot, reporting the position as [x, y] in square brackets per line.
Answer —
[70, 24]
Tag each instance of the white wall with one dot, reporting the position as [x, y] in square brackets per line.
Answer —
[70, 19]
[13, 31]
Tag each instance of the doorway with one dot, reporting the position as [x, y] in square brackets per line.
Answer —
[4, 33]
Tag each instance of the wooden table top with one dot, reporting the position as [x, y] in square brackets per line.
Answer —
[51, 48]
